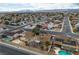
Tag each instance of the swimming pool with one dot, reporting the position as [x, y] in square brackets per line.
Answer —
[62, 52]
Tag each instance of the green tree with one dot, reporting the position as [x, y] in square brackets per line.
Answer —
[36, 30]
[6, 22]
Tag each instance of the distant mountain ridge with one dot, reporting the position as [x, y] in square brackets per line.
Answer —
[53, 10]
[60, 10]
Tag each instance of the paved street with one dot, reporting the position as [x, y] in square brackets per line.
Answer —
[10, 51]
[66, 25]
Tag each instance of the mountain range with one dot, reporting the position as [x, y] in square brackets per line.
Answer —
[53, 10]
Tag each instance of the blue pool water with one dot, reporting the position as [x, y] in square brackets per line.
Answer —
[62, 52]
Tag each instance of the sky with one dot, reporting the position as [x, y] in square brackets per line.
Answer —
[36, 6]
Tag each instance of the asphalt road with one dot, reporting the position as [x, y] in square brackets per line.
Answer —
[66, 25]
[67, 28]
[10, 51]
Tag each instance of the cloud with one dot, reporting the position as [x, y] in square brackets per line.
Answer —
[14, 7]
[55, 6]
[36, 6]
